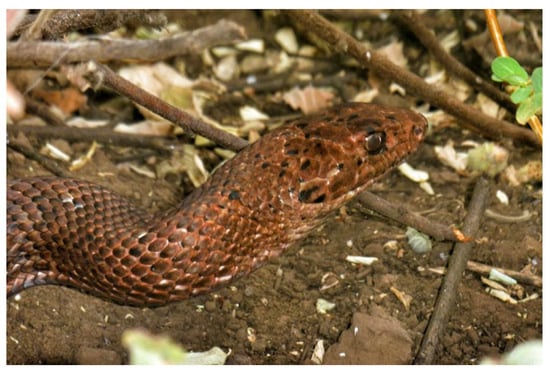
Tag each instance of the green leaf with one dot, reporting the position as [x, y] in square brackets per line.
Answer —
[521, 94]
[529, 107]
[145, 348]
[496, 78]
[509, 70]
[536, 78]
[537, 98]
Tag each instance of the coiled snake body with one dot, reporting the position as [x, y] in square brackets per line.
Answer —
[75, 233]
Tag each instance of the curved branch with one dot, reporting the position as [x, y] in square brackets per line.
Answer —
[412, 21]
[100, 74]
[45, 54]
[457, 264]
[346, 44]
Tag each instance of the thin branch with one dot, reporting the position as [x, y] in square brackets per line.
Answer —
[43, 111]
[99, 74]
[101, 135]
[275, 82]
[454, 66]
[34, 32]
[32, 154]
[345, 44]
[496, 34]
[457, 264]
[500, 48]
[524, 278]
[44, 54]
[102, 21]
[400, 214]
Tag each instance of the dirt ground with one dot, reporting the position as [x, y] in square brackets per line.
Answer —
[270, 317]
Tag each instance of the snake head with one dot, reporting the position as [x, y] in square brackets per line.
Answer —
[344, 150]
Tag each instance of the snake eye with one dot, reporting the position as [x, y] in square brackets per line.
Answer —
[375, 143]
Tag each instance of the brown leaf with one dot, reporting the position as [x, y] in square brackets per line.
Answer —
[308, 100]
[68, 100]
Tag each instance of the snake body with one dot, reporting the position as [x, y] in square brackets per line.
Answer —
[79, 234]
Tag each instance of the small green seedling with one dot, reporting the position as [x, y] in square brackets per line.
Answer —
[528, 90]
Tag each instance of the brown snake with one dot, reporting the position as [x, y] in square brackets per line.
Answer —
[75, 233]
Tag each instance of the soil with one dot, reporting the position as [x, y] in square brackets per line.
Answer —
[270, 317]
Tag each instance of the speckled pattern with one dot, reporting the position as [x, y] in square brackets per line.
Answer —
[74, 233]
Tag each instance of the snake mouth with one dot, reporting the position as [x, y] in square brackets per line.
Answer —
[251, 209]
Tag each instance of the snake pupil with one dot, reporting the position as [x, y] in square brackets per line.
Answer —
[70, 232]
[375, 143]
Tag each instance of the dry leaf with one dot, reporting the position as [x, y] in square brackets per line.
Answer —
[404, 298]
[162, 81]
[287, 40]
[450, 157]
[147, 127]
[488, 158]
[15, 103]
[394, 52]
[529, 173]
[67, 100]
[489, 107]
[509, 24]
[308, 100]
[227, 68]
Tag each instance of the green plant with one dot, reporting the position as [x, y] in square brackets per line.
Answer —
[527, 90]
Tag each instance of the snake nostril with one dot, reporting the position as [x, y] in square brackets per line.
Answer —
[418, 131]
[106, 246]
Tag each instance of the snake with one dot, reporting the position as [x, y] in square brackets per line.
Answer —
[271, 194]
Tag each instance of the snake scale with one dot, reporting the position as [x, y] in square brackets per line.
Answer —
[272, 193]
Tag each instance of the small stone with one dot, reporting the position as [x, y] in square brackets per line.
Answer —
[259, 345]
[473, 336]
[371, 340]
[241, 335]
[210, 306]
[96, 356]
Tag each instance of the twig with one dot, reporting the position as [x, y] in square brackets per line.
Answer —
[496, 34]
[101, 135]
[345, 44]
[525, 216]
[352, 14]
[454, 66]
[483, 269]
[524, 278]
[44, 54]
[401, 214]
[34, 32]
[32, 154]
[500, 47]
[457, 264]
[99, 74]
[65, 21]
[42, 110]
[275, 82]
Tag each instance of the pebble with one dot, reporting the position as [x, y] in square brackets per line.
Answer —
[259, 345]
[241, 335]
[473, 336]
[210, 306]
[96, 356]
